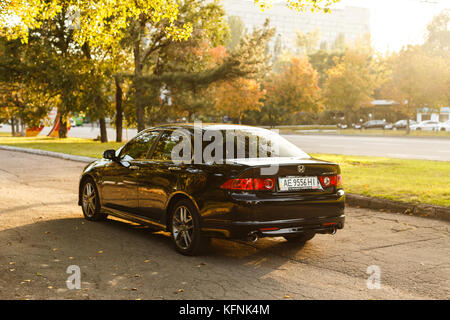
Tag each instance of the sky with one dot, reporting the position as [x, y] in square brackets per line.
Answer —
[395, 23]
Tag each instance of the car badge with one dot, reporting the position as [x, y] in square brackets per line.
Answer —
[301, 168]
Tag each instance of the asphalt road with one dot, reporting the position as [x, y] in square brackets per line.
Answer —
[42, 232]
[391, 147]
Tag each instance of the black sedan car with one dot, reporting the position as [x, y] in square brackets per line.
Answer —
[257, 184]
[374, 124]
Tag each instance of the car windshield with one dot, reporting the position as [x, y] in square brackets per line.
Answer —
[249, 142]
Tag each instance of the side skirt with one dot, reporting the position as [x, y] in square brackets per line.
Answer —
[134, 218]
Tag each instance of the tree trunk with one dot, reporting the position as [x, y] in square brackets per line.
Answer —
[13, 128]
[407, 126]
[62, 131]
[119, 111]
[140, 114]
[17, 127]
[103, 132]
[22, 128]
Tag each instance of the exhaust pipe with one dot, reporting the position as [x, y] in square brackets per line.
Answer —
[253, 236]
[333, 232]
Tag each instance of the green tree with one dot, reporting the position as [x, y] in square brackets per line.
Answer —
[307, 43]
[417, 80]
[144, 27]
[340, 43]
[438, 34]
[350, 84]
[292, 90]
[237, 30]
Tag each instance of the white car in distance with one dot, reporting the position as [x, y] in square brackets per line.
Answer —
[444, 126]
[428, 125]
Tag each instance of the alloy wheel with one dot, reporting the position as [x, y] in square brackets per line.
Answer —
[89, 200]
[183, 227]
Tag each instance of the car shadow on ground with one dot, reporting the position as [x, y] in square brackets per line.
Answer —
[115, 254]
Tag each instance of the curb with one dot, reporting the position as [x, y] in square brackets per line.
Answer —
[52, 154]
[353, 200]
[419, 210]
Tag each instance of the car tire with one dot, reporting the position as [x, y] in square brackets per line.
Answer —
[299, 238]
[90, 201]
[185, 229]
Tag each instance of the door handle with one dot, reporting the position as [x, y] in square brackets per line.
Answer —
[174, 168]
[133, 167]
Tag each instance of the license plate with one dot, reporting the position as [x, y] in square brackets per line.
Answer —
[298, 183]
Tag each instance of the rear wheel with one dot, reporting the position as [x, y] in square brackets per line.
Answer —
[90, 202]
[185, 229]
[300, 238]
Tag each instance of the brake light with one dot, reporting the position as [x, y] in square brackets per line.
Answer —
[249, 184]
[331, 181]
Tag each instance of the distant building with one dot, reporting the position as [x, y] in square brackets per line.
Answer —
[351, 22]
[442, 114]
[388, 109]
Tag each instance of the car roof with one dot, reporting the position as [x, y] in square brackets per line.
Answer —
[206, 126]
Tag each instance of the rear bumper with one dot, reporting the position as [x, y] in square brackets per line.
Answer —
[286, 227]
[276, 219]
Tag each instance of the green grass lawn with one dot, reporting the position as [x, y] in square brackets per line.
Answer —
[75, 146]
[417, 181]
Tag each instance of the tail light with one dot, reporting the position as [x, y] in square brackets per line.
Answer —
[249, 184]
[331, 181]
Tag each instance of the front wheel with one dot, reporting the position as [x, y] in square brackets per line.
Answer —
[300, 238]
[90, 202]
[185, 228]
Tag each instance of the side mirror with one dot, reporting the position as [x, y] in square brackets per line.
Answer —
[109, 154]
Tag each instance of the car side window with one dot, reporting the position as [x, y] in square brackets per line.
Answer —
[163, 150]
[138, 148]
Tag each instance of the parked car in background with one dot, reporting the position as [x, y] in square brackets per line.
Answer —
[428, 125]
[342, 126]
[356, 125]
[374, 124]
[78, 121]
[444, 126]
[388, 126]
[402, 124]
